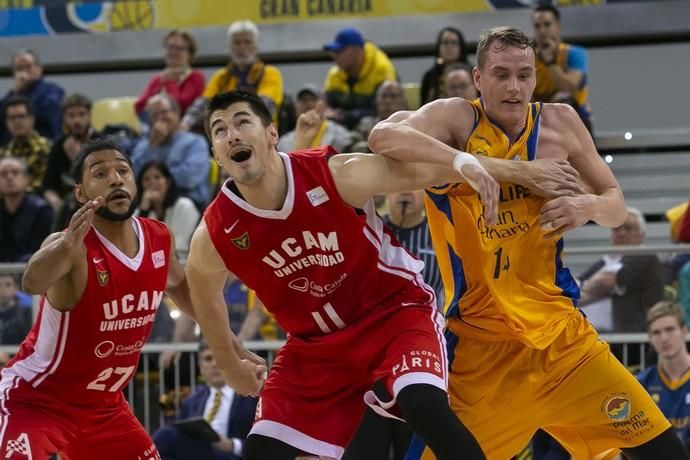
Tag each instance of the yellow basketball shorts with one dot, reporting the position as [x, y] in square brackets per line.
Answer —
[574, 389]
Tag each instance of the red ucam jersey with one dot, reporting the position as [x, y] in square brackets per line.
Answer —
[88, 355]
[318, 264]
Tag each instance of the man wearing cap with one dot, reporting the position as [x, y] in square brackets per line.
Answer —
[351, 84]
[313, 129]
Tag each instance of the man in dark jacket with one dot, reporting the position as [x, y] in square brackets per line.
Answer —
[229, 414]
[25, 219]
[45, 96]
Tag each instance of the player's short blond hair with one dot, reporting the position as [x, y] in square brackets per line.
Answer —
[508, 36]
[666, 308]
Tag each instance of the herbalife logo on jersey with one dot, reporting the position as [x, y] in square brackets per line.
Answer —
[298, 253]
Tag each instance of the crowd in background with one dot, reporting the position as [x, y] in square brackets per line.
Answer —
[42, 130]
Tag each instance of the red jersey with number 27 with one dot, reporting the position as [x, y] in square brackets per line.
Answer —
[318, 264]
[88, 355]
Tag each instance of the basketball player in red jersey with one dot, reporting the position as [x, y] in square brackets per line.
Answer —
[301, 230]
[102, 280]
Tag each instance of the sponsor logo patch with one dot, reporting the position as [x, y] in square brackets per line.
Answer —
[242, 241]
[103, 277]
[158, 258]
[617, 407]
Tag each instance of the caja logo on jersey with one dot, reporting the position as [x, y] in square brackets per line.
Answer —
[104, 349]
[617, 407]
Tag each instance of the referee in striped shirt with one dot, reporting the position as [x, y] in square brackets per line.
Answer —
[407, 221]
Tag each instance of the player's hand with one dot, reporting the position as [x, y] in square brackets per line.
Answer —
[488, 189]
[248, 378]
[80, 223]
[553, 178]
[564, 213]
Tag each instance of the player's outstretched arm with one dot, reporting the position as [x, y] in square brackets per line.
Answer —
[427, 135]
[206, 275]
[359, 176]
[49, 268]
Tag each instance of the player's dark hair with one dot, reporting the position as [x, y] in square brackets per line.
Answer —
[222, 101]
[92, 147]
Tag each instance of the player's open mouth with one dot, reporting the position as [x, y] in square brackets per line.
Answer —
[512, 101]
[241, 155]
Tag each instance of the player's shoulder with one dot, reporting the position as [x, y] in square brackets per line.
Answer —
[558, 115]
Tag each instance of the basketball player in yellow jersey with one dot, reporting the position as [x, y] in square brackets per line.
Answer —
[521, 355]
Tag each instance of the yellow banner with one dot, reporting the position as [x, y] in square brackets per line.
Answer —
[203, 13]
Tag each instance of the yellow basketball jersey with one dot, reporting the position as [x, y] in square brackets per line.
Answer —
[503, 282]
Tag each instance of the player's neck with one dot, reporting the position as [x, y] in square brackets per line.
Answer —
[512, 126]
[270, 191]
[119, 233]
[676, 366]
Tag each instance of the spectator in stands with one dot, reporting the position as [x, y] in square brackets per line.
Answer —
[618, 290]
[228, 413]
[25, 142]
[668, 382]
[313, 129]
[25, 218]
[561, 67]
[390, 98]
[45, 97]
[458, 82]
[57, 181]
[450, 49]
[245, 71]
[15, 312]
[185, 154]
[177, 79]
[160, 199]
[351, 84]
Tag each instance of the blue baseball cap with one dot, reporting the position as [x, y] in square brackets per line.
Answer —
[345, 37]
